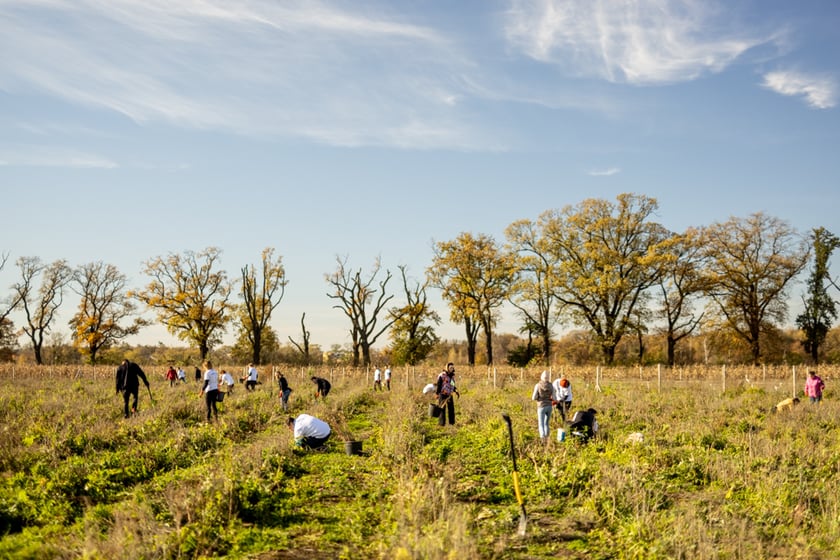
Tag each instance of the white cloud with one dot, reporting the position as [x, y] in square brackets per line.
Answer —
[604, 172]
[259, 67]
[641, 42]
[53, 157]
[819, 92]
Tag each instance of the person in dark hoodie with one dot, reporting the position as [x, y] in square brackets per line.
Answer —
[129, 375]
[323, 386]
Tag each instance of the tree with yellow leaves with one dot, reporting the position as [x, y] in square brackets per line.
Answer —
[750, 262]
[475, 277]
[606, 256]
[103, 306]
[189, 296]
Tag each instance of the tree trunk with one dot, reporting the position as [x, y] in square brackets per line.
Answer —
[546, 347]
[470, 343]
[257, 349]
[365, 354]
[672, 345]
[609, 353]
[488, 340]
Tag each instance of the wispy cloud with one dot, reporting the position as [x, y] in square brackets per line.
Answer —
[304, 69]
[53, 157]
[642, 42]
[819, 92]
[604, 172]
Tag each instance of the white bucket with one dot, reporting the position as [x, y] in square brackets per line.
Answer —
[561, 434]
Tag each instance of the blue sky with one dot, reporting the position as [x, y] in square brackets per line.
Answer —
[368, 129]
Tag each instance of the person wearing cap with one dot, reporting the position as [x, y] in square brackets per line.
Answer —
[563, 396]
[545, 397]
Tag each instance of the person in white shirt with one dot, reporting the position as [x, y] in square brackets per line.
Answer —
[251, 381]
[377, 379]
[182, 375]
[563, 396]
[309, 432]
[228, 381]
[388, 378]
[210, 389]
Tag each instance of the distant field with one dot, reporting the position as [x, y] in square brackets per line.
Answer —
[716, 475]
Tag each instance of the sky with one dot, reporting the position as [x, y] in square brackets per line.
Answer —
[370, 130]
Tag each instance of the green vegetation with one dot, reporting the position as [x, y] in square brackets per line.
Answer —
[717, 475]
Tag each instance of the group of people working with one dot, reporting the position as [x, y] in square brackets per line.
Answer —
[558, 394]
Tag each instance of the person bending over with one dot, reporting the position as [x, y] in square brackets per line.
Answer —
[309, 432]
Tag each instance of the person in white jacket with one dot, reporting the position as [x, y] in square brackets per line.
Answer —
[563, 396]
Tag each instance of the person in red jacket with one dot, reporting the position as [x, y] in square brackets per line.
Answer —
[814, 387]
[171, 376]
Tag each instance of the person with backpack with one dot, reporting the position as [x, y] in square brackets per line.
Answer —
[128, 380]
[544, 395]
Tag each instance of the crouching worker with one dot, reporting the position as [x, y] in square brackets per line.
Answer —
[309, 432]
[785, 404]
[584, 425]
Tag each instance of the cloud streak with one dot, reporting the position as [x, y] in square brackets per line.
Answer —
[820, 92]
[604, 172]
[643, 43]
[53, 157]
[300, 69]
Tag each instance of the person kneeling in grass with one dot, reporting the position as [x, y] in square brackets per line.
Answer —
[309, 432]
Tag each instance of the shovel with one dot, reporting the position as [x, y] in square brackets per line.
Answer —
[523, 520]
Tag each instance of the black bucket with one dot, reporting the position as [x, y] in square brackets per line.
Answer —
[353, 447]
[434, 410]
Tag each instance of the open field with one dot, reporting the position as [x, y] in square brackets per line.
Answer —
[717, 475]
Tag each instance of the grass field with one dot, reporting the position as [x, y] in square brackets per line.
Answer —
[717, 475]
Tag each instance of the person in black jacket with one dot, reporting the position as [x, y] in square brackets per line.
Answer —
[323, 386]
[285, 390]
[584, 424]
[129, 375]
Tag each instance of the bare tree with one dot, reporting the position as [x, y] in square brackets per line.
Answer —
[261, 296]
[361, 303]
[104, 305]
[303, 347]
[12, 302]
[40, 304]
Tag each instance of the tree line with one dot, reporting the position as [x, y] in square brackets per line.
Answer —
[606, 267]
